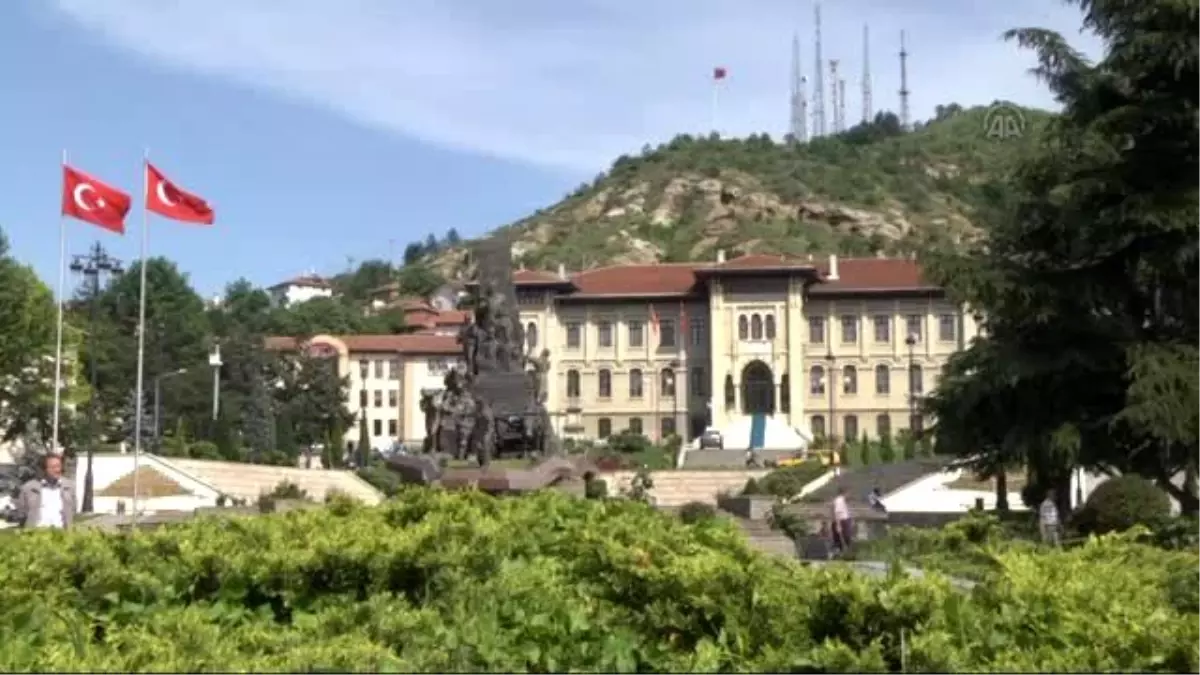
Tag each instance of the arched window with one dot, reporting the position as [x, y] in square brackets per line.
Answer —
[770, 324]
[604, 427]
[730, 392]
[785, 392]
[604, 383]
[635, 386]
[883, 379]
[816, 380]
[756, 327]
[531, 335]
[743, 327]
[573, 384]
[817, 424]
[849, 380]
[883, 427]
[635, 425]
[916, 383]
[667, 382]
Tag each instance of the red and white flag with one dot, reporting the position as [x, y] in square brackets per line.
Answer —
[719, 73]
[170, 201]
[92, 201]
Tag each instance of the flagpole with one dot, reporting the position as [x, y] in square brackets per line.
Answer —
[58, 346]
[139, 412]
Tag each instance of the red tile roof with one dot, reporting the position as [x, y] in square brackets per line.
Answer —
[760, 261]
[417, 343]
[868, 275]
[636, 280]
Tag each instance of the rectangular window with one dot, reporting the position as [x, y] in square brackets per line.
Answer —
[698, 329]
[849, 330]
[393, 427]
[379, 369]
[574, 335]
[699, 385]
[604, 331]
[604, 427]
[393, 398]
[883, 328]
[913, 324]
[636, 335]
[947, 326]
[667, 428]
[362, 398]
[377, 427]
[364, 369]
[394, 369]
[378, 398]
[816, 330]
[666, 333]
[635, 426]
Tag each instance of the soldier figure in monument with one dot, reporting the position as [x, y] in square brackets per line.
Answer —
[430, 409]
[457, 414]
[537, 374]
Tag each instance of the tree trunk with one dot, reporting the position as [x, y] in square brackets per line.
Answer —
[1002, 490]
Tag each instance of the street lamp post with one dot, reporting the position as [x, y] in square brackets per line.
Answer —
[93, 265]
[158, 403]
[829, 380]
[214, 360]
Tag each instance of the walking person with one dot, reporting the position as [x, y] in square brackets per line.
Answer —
[46, 501]
[842, 525]
[1048, 522]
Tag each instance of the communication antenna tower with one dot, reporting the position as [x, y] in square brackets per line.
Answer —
[866, 76]
[799, 109]
[903, 83]
[841, 96]
[819, 78]
[833, 93]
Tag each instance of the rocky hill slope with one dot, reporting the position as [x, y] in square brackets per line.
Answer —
[873, 189]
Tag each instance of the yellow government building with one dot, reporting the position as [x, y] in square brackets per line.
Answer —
[771, 352]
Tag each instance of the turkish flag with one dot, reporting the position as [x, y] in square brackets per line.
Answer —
[170, 201]
[92, 201]
[719, 73]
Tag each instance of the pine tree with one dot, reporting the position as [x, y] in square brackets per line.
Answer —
[258, 419]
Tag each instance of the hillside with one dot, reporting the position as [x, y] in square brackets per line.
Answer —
[873, 189]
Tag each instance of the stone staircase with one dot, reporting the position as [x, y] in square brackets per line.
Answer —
[711, 458]
[248, 481]
[761, 536]
[676, 488]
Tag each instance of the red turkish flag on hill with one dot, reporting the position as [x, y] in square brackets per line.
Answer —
[170, 201]
[719, 73]
[92, 201]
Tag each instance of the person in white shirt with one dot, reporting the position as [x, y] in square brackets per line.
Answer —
[47, 501]
[842, 525]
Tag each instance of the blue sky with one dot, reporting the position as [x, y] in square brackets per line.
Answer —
[327, 131]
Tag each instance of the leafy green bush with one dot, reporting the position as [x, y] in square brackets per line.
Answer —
[694, 512]
[786, 482]
[435, 581]
[203, 450]
[1120, 503]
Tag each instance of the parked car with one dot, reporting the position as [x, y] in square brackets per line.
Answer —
[712, 440]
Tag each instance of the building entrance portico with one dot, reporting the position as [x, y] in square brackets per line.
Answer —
[758, 389]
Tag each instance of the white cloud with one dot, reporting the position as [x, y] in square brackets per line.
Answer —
[573, 84]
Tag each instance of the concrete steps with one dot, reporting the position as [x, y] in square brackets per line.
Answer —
[761, 536]
[248, 481]
[711, 458]
[676, 488]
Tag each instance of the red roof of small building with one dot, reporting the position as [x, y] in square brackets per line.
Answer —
[416, 343]
[636, 280]
[873, 275]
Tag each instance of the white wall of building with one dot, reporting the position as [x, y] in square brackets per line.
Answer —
[292, 294]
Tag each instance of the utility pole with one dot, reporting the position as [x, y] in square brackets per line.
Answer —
[819, 80]
[903, 84]
[867, 111]
[93, 265]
